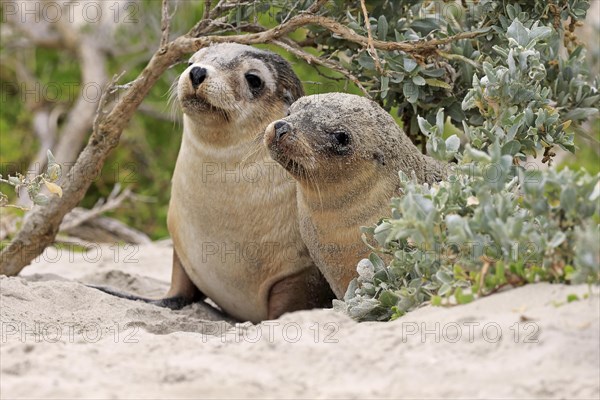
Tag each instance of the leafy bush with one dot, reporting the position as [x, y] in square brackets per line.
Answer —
[421, 84]
[497, 220]
[33, 185]
[473, 235]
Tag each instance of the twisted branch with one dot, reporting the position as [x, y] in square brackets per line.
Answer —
[310, 59]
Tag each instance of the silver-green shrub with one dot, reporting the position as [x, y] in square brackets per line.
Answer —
[497, 220]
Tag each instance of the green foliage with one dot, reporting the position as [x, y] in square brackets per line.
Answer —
[496, 220]
[512, 94]
[33, 185]
[419, 85]
[488, 225]
[587, 149]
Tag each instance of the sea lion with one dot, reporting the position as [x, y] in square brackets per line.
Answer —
[345, 153]
[232, 213]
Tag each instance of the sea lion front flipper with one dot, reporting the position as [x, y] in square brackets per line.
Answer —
[181, 284]
[172, 302]
[306, 289]
[182, 291]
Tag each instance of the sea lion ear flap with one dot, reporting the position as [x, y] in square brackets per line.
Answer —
[379, 157]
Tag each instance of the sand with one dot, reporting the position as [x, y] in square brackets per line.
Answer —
[61, 339]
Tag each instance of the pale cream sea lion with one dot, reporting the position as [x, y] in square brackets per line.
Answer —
[232, 213]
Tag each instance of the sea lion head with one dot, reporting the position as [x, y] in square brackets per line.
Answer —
[229, 87]
[332, 137]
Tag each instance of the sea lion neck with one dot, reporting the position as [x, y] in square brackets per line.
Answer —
[338, 195]
[219, 136]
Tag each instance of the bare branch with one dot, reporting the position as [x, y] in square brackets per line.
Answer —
[114, 200]
[107, 230]
[309, 58]
[42, 223]
[202, 27]
[291, 10]
[165, 24]
[205, 25]
[111, 87]
[316, 6]
[228, 28]
[75, 241]
[8, 224]
[207, 4]
[40, 34]
[79, 119]
[44, 119]
[45, 124]
[225, 5]
[370, 47]
[410, 47]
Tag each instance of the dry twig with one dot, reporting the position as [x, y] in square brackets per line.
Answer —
[165, 24]
[370, 47]
[310, 59]
[114, 200]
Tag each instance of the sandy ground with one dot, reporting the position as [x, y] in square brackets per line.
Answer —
[60, 339]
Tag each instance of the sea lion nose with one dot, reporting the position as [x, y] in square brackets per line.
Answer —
[281, 129]
[197, 76]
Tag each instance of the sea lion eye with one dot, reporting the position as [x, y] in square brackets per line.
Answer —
[339, 142]
[254, 82]
[342, 138]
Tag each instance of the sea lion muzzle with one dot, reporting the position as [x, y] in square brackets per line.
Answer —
[197, 76]
[282, 128]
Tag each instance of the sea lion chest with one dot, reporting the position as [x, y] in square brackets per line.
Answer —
[234, 224]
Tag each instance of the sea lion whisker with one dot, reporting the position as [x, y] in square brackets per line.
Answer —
[316, 184]
[254, 148]
[172, 108]
[309, 172]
